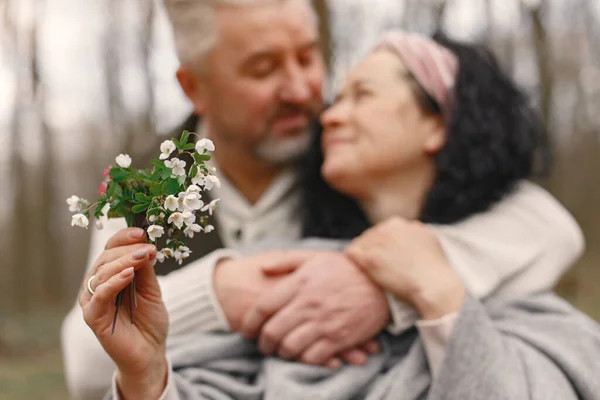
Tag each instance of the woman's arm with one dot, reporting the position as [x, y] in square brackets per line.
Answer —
[538, 348]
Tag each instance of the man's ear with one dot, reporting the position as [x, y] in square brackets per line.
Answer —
[436, 135]
[194, 88]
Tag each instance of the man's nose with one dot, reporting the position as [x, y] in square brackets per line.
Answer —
[295, 87]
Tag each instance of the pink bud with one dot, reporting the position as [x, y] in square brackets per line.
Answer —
[107, 171]
[102, 188]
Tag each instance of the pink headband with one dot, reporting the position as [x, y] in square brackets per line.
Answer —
[432, 65]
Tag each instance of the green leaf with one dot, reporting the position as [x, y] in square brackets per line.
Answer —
[193, 171]
[138, 208]
[156, 176]
[200, 158]
[155, 190]
[119, 174]
[184, 137]
[99, 207]
[165, 173]
[189, 146]
[139, 196]
[172, 186]
[177, 143]
[158, 163]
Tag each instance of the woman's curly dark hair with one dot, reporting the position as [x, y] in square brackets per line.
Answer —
[493, 137]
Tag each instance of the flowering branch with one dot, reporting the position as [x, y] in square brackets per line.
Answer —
[166, 200]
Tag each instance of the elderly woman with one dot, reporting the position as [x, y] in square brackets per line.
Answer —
[423, 129]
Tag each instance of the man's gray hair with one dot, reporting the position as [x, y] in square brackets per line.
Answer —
[193, 23]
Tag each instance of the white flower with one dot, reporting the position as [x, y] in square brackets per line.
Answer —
[204, 144]
[171, 203]
[213, 170]
[199, 179]
[209, 228]
[193, 189]
[211, 181]
[180, 255]
[80, 220]
[155, 231]
[152, 218]
[99, 225]
[123, 160]
[192, 201]
[74, 203]
[176, 219]
[166, 148]
[160, 256]
[211, 207]
[188, 218]
[177, 165]
[167, 252]
[191, 230]
[184, 249]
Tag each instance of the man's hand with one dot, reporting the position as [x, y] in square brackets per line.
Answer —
[323, 308]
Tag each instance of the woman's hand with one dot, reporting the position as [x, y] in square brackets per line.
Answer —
[406, 258]
[138, 349]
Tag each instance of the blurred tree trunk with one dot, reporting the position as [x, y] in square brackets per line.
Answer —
[112, 73]
[323, 12]
[136, 136]
[21, 245]
[544, 60]
[52, 272]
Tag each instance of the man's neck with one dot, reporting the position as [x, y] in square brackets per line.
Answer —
[250, 177]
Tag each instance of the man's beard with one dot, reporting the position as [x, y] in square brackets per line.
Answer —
[284, 151]
[288, 149]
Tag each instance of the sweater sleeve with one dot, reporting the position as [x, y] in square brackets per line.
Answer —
[522, 245]
[188, 295]
[539, 348]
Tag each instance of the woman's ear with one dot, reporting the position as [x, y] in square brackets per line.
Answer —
[436, 135]
[193, 87]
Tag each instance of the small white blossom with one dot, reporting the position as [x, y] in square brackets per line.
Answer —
[160, 256]
[213, 170]
[209, 228]
[193, 189]
[166, 148]
[203, 144]
[80, 220]
[178, 256]
[211, 207]
[177, 166]
[192, 201]
[155, 231]
[188, 218]
[75, 204]
[99, 225]
[152, 218]
[176, 219]
[191, 230]
[171, 203]
[184, 249]
[123, 160]
[199, 179]
[167, 252]
[211, 181]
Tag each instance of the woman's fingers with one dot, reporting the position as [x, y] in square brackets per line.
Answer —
[125, 237]
[104, 299]
[127, 259]
[135, 259]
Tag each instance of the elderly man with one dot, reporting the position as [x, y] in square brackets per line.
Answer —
[253, 71]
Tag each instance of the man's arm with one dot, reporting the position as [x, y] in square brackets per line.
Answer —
[522, 245]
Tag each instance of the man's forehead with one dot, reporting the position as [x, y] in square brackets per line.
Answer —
[266, 26]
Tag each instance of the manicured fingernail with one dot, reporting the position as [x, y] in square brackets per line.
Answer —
[136, 233]
[127, 272]
[138, 255]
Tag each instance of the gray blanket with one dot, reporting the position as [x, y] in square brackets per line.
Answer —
[538, 348]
